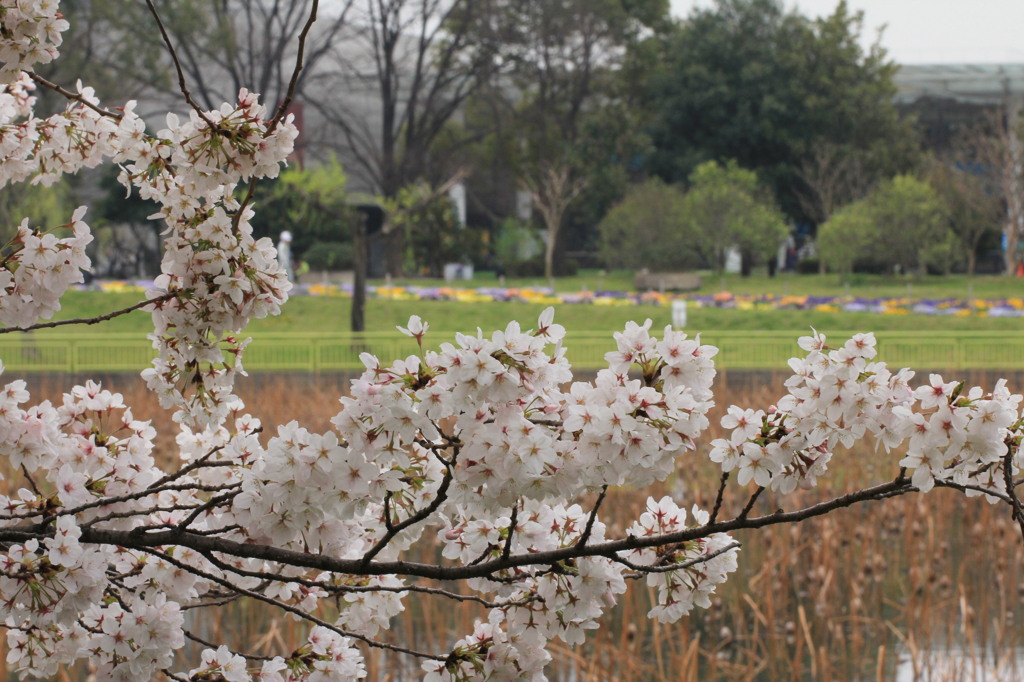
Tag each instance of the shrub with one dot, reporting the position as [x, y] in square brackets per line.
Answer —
[329, 256]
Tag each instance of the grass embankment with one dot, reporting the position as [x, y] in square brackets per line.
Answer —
[303, 314]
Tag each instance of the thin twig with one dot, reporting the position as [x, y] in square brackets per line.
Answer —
[200, 640]
[31, 482]
[668, 568]
[1011, 490]
[394, 529]
[389, 525]
[507, 549]
[964, 487]
[215, 501]
[177, 67]
[91, 320]
[320, 584]
[129, 497]
[197, 464]
[286, 607]
[282, 108]
[146, 512]
[585, 536]
[719, 497]
[212, 604]
[74, 96]
[750, 502]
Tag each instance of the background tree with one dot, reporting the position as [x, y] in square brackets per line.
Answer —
[424, 217]
[994, 147]
[312, 203]
[226, 45]
[830, 176]
[518, 249]
[910, 220]
[724, 208]
[900, 225]
[750, 81]
[649, 229]
[846, 237]
[431, 231]
[49, 206]
[222, 46]
[972, 202]
[402, 73]
[559, 67]
[103, 36]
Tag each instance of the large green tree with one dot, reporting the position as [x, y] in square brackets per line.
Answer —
[771, 88]
[557, 104]
[648, 229]
[974, 207]
[725, 208]
[901, 224]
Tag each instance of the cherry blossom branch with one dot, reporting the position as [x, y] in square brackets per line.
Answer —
[205, 544]
[393, 529]
[74, 96]
[199, 640]
[92, 320]
[284, 607]
[182, 487]
[668, 568]
[344, 589]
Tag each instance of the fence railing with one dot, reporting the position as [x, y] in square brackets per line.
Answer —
[325, 352]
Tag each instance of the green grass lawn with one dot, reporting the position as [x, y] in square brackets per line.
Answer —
[324, 314]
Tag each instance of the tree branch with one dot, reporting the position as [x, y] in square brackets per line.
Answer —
[74, 96]
[182, 85]
[92, 320]
[205, 544]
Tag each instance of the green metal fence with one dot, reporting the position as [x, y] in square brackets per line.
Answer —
[324, 352]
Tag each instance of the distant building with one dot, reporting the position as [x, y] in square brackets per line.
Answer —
[947, 97]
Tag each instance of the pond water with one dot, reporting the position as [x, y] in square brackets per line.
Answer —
[966, 664]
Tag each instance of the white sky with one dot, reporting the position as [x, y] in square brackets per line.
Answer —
[927, 31]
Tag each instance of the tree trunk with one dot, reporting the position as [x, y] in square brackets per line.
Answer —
[972, 261]
[746, 263]
[394, 252]
[360, 257]
[549, 249]
[1010, 256]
